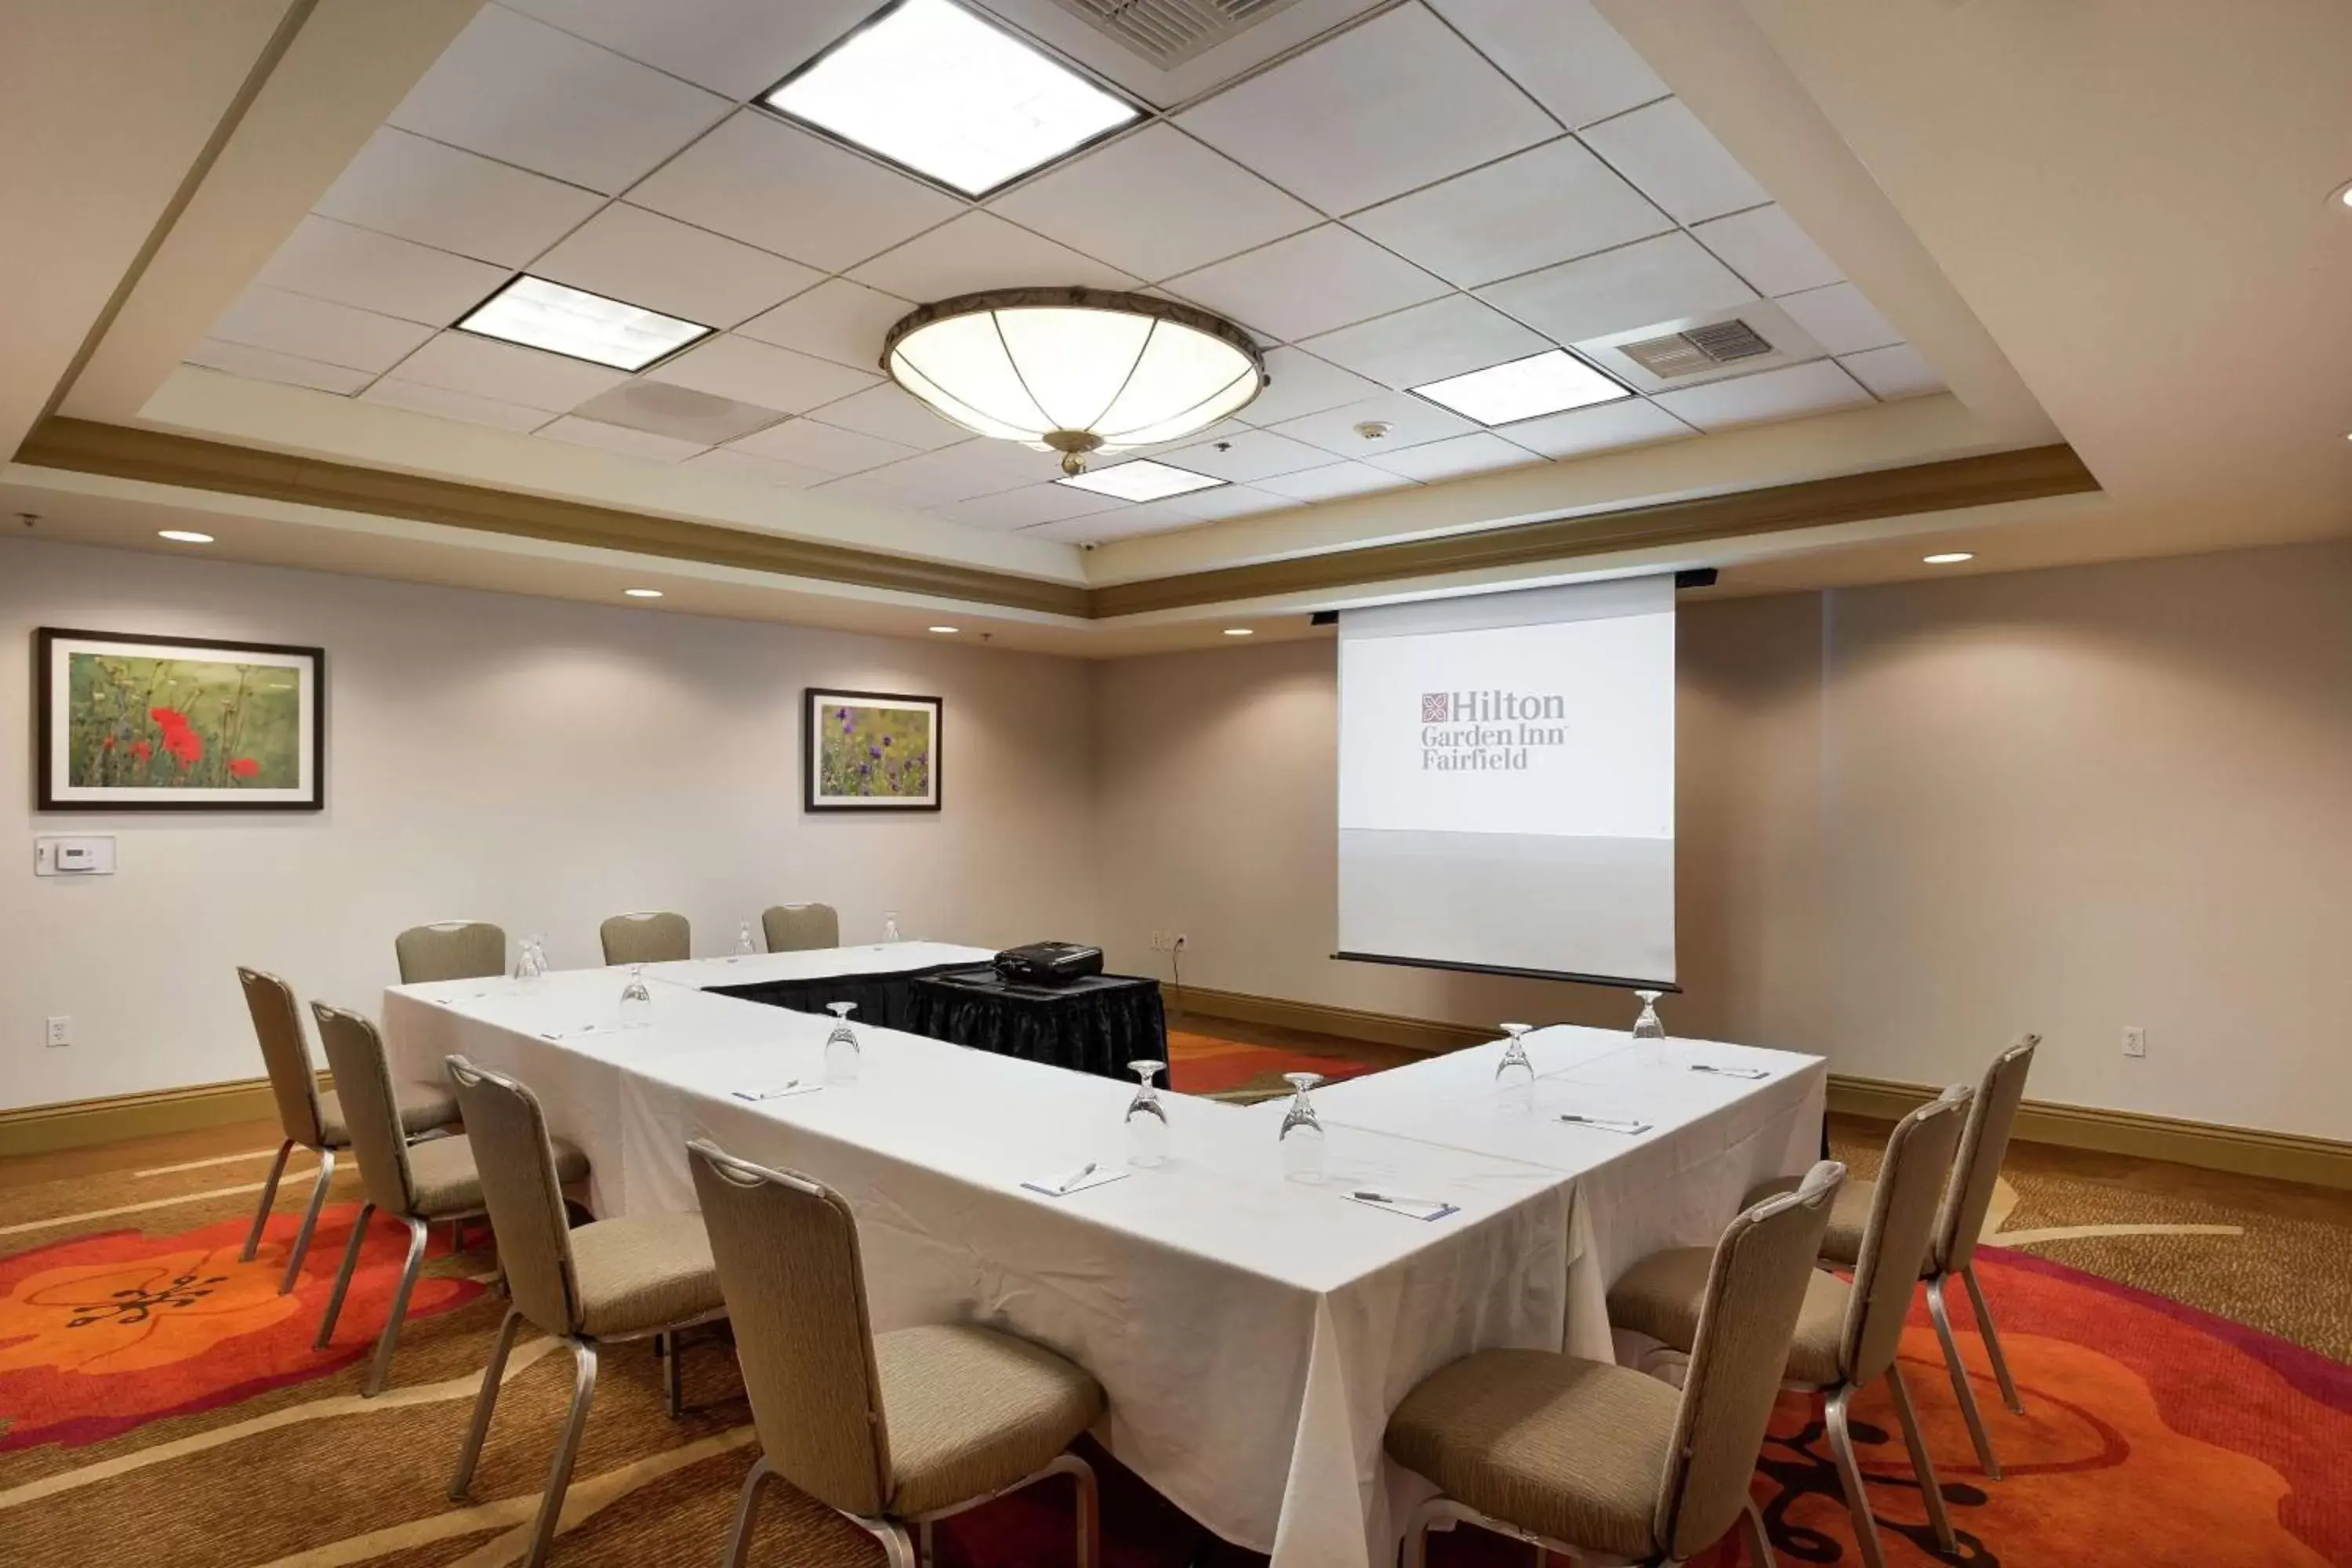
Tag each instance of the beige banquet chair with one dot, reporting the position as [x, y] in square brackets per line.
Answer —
[894, 1430]
[450, 950]
[795, 928]
[429, 1184]
[1590, 1459]
[309, 1118]
[1847, 1334]
[1951, 1252]
[648, 937]
[641, 1276]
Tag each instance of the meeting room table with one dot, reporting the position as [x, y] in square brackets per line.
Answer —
[1254, 1326]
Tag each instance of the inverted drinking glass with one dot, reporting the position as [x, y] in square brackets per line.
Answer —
[1302, 1130]
[636, 999]
[841, 1048]
[1515, 1073]
[1147, 1119]
[1647, 1026]
[744, 945]
[890, 926]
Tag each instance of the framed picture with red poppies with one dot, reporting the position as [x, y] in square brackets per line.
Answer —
[150, 723]
[869, 751]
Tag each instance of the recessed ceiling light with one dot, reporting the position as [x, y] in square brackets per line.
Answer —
[1240, 632]
[183, 536]
[947, 631]
[1539, 384]
[539, 314]
[1949, 557]
[2344, 194]
[643, 593]
[1139, 479]
[935, 89]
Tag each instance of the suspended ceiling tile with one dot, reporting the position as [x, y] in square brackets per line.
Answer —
[894, 415]
[269, 364]
[981, 250]
[443, 403]
[837, 319]
[1245, 454]
[1428, 343]
[730, 460]
[576, 431]
[680, 413]
[1577, 432]
[768, 183]
[1765, 247]
[1411, 421]
[1026, 507]
[1651, 280]
[1396, 102]
[507, 374]
[627, 253]
[1299, 384]
[525, 93]
[1801, 389]
[1675, 162]
[1122, 523]
[308, 328]
[1840, 319]
[1155, 204]
[752, 372]
[358, 267]
[826, 448]
[1312, 282]
[1477, 453]
[1333, 482]
[452, 200]
[1896, 370]
[951, 474]
[1562, 51]
[1548, 204]
[739, 48]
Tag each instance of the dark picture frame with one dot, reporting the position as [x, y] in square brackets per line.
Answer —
[865, 750]
[176, 745]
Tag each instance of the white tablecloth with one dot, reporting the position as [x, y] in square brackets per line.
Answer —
[1253, 1331]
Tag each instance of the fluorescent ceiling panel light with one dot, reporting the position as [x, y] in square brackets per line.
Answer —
[933, 89]
[1142, 479]
[539, 314]
[1524, 388]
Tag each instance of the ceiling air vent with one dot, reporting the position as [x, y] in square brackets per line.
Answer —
[1701, 348]
[1169, 32]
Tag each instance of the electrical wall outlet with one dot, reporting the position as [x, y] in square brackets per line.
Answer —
[2135, 1040]
[1182, 943]
[60, 1032]
[1160, 941]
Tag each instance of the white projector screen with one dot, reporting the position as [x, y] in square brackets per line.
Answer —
[1507, 782]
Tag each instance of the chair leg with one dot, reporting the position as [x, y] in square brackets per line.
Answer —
[1415, 1551]
[1751, 1529]
[673, 1373]
[738, 1540]
[1992, 1342]
[1961, 1392]
[1857, 1500]
[1089, 1508]
[559, 1475]
[927, 1545]
[301, 1249]
[483, 1404]
[269, 1196]
[343, 1278]
[897, 1548]
[389, 1340]
[1921, 1466]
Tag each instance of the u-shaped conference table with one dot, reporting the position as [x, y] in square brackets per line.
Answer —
[1254, 1330]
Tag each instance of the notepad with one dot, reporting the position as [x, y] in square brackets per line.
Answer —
[1065, 1183]
[1728, 1072]
[1606, 1124]
[1410, 1207]
[781, 1090]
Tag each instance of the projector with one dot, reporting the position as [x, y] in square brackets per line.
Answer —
[1048, 963]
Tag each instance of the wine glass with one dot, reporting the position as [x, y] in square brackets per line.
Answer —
[1517, 1071]
[1647, 1025]
[841, 1048]
[1147, 1119]
[1302, 1130]
[532, 963]
[744, 945]
[890, 926]
[637, 1000]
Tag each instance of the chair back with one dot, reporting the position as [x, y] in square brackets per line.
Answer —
[1983, 1147]
[1755, 1289]
[293, 1083]
[1904, 1203]
[524, 1194]
[371, 1109]
[450, 950]
[791, 928]
[651, 938]
[789, 1265]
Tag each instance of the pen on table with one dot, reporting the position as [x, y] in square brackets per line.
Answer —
[1075, 1177]
[1727, 1072]
[1398, 1198]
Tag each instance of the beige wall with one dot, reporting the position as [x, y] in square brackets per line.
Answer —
[534, 763]
[1913, 821]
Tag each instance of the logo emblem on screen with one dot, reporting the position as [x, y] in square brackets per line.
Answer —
[1436, 707]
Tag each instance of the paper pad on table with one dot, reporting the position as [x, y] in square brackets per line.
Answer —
[1052, 1187]
[1411, 1208]
[780, 1090]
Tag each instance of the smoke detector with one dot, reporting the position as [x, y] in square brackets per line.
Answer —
[1374, 430]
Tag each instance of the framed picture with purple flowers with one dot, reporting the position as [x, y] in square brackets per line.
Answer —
[870, 751]
[146, 723]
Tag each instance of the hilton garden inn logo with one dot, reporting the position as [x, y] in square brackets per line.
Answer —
[1488, 731]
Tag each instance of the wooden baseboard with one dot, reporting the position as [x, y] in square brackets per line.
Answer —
[111, 1118]
[2244, 1151]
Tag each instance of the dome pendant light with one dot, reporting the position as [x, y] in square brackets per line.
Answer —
[1074, 371]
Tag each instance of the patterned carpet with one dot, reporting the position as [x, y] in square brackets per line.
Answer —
[160, 1403]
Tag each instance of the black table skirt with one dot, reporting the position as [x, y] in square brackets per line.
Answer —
[1097, 1025]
